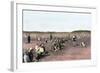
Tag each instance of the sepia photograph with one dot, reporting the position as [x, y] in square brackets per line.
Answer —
[49, 35]
[57, 36]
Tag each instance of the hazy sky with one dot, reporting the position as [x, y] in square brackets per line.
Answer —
[55, 21]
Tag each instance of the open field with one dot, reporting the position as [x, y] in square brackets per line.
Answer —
[71, 50]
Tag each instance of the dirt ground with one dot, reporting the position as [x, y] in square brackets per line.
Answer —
[71, 51]
[70, 54]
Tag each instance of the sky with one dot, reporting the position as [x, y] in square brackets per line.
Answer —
[55, 21]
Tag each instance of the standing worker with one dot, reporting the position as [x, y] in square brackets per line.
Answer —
[29, 39]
